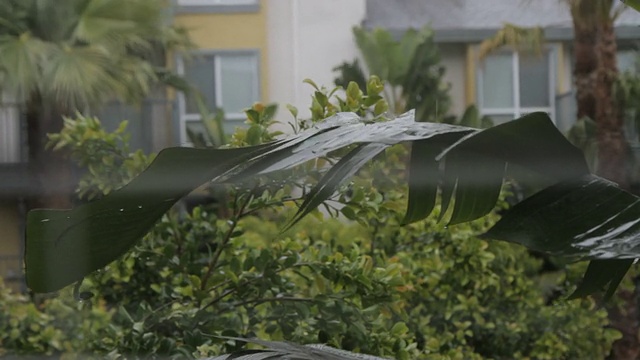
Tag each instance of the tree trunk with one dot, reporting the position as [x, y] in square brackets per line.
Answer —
[613, 148]
[586, 62]
[53, 172]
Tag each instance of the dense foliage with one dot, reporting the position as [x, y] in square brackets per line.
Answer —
[368, 285]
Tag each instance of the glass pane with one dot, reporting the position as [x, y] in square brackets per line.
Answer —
[114, 112]
[239, 82]
[497, 81]
[9, 134]
[534, 81]
[627, 60]
[199, 71]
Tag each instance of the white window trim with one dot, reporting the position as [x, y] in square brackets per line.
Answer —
[217, 6]
[184, 117]
[217, 2]
[518, 111]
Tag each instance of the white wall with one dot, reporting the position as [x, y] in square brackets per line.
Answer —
[307, 39]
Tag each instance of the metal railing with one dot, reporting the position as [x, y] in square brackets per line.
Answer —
[11, 270]
[151, 124]
[13, 136]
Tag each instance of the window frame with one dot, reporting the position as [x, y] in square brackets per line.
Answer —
[231, 119]
[517, 110]
[216, 6]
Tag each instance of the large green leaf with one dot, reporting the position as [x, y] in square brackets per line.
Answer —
[63, 246]
[582, 216]
[585, 218]
[280, 350]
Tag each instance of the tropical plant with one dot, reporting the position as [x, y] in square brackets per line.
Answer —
[409, 67]
[58, 253]
[599, 113]
[416, 291]
[57, 58]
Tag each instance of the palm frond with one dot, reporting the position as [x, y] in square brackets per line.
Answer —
[516, 37]
[280, 350]
[21, 58]
[76, 77]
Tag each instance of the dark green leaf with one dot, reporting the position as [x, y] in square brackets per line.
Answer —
[587, 218]
[532, 142]
[63, 246]
[424, 175]
[601, 273]
[254, 134]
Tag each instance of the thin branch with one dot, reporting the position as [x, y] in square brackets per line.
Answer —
[272, 299]
[227, 238]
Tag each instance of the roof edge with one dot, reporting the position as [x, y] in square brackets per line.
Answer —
[623, 32]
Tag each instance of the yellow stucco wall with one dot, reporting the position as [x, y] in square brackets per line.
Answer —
[10, 244]
[9, 229]
[231, 31]
[470, 75]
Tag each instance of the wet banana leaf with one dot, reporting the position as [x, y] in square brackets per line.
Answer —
[588, 218]
[281, 350]
[65, 245]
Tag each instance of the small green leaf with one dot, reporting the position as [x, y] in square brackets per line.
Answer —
[253, 116]
[381, 107]
[322, 98]
[399, 329]
[293, 110]
[254, 134]
[353, 92]
[310, 82]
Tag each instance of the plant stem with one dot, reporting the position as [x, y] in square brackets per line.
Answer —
[234, 222]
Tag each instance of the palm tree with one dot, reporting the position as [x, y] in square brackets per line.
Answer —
[59, 57]
[595, 73]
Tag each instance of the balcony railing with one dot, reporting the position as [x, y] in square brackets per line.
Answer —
[150, 123]
[11, 271]
[13, 138]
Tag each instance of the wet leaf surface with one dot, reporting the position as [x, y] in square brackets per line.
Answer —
[581, 217]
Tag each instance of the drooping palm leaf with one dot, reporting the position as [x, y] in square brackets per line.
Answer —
[76, 53]
[280, 350]
[64, 246]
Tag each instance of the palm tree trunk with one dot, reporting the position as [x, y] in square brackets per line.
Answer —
[613, 151]
[52, 170]
[584, 72]
[595, 73]
[613, 148]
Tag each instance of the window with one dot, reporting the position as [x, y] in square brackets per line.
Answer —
[197, 6]
[627, 60]
[512, 84]
[217, 2]
[226, 80]
[10, 132]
